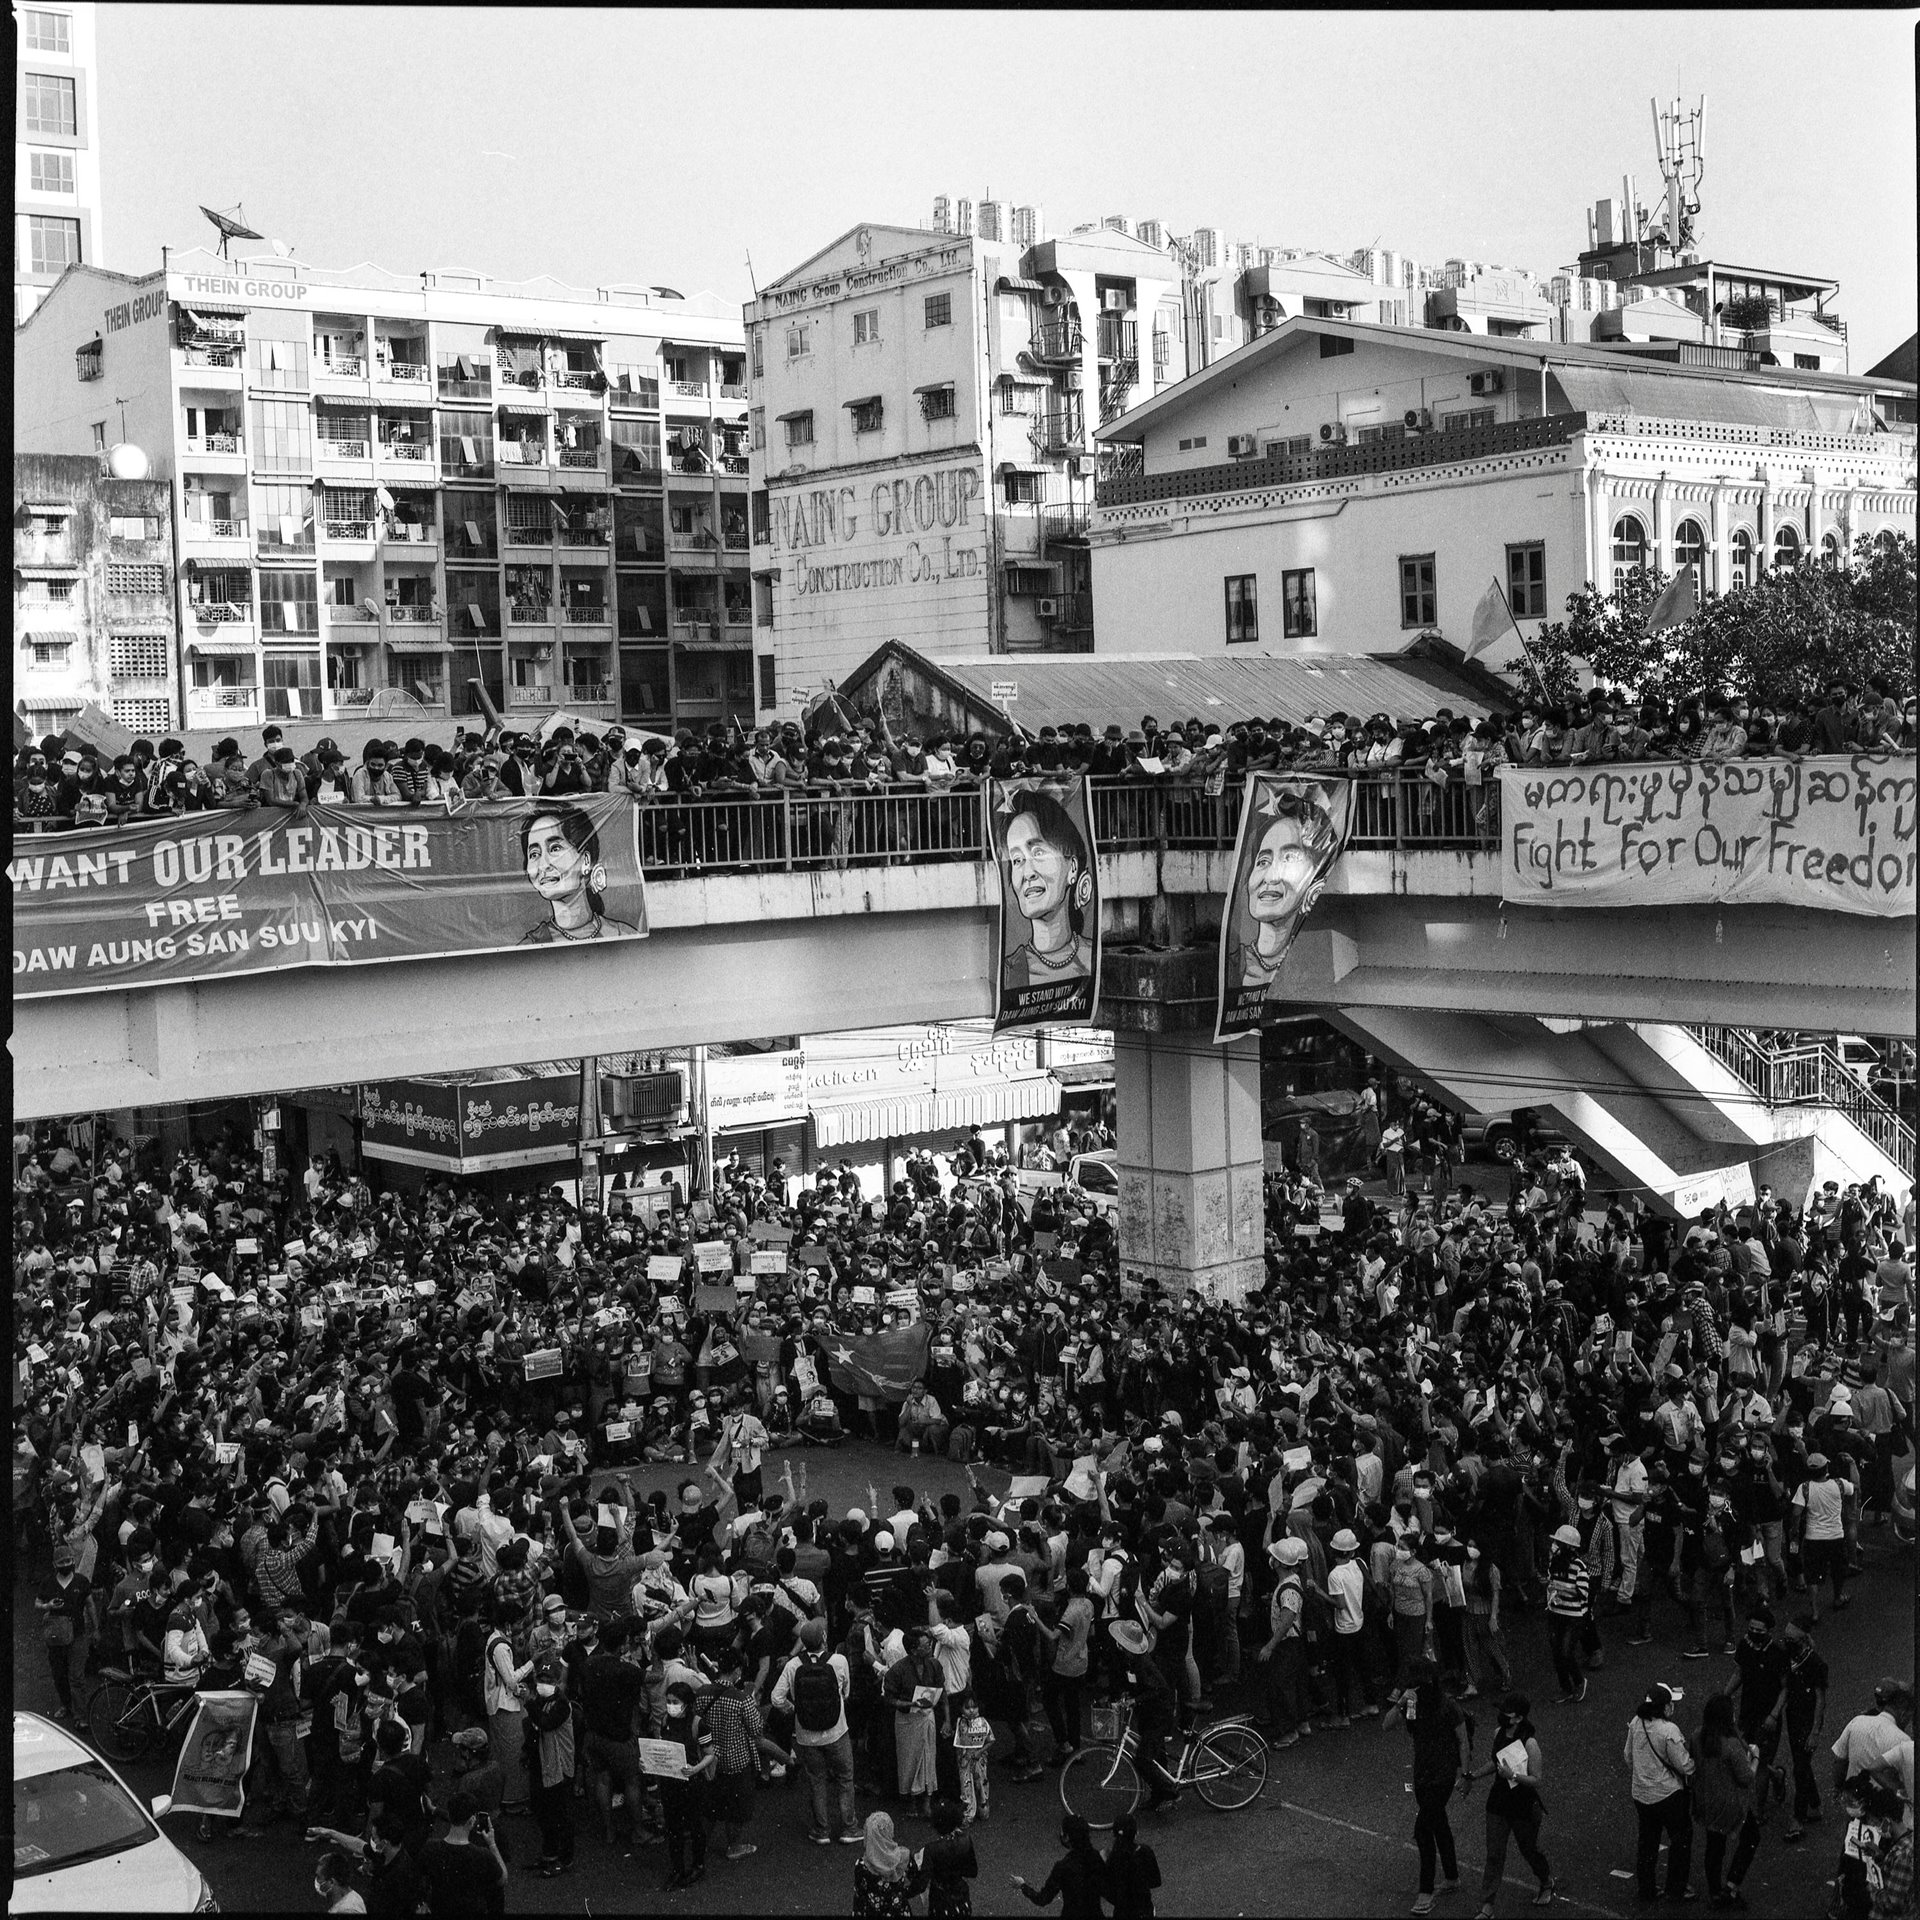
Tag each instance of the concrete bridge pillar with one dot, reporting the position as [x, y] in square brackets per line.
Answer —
[1192, 1213]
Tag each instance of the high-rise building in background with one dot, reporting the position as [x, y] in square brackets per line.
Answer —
[987, 220]
[56, 149]
[390, 489]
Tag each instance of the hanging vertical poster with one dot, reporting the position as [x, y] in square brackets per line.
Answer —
[1292, 829]
[1049, 960]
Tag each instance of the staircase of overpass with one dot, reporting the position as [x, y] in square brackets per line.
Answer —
[808, 913]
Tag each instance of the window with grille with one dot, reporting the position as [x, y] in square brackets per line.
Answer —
[762, 531]
[1026, 583]
[1419, 594]
[867, 417]
[52, 653]
[800, 430]
[635, 385]
[1243, 609]
[42, 32]
[143, 716]
[46, 593]
[1290, 448]
[757, 343]
[124, 526]
[1786, 546]
[53, 244]
[230, 588]
[340, 427]
[939, 309]
[1022, 489]
[636, 447]
[1471, 417]
[1690, 550]
[937, 404]
[1740, 571]
[757, 429]
[866, 326]
[1629, 546]
[137, 656]
[529, 512]
[1299, 604]
[47, 104]
[276, 364]
[128, 579]
[1527, 580]
[768, 682]
[1162, 352]
[50, 172]
[284, 516]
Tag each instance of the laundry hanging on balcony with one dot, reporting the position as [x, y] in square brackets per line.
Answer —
[202, 327]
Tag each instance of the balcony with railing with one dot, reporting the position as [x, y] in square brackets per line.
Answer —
[476, 383]
[202, 530]
[537, 697]
[413, 614]
[351, 529]
[354, 613]
[403, 373]
[221, 704]
[584, 459]
[733, 390]
[518, 455]
[571, 533]
[339, 366]
[1065, 524]
[579, 379]
[1444, 448]
[220, 613]
[414, 450]
[531, 533]
[1119, 339]
[687, 389]
[412, 534]
[1062, 428]
[1058, 338]
[343, 446]
[204, 444]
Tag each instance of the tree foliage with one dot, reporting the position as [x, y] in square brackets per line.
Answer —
[1780, 641]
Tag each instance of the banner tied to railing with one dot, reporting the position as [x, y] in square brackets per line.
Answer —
[220, 895]
[1834, 832]
[1293, 827]
[1049, 960]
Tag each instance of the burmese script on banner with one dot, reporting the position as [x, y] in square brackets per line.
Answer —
[1834, 832]
[1293, 827]
[217, 895]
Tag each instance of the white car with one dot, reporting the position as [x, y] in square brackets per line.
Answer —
[82, 1842]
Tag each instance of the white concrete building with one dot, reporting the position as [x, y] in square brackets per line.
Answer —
[56, 147]
[922, 409]
[389, 487]
[1342, 488]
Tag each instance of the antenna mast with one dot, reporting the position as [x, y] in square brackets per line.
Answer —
[231, 225]
[1680, 135]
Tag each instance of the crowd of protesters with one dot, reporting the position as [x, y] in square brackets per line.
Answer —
[63, 779]
[381, 1447]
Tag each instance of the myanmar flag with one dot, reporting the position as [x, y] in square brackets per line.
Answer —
[880, 1366]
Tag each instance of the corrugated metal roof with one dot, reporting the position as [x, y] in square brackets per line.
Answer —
[1119, 690]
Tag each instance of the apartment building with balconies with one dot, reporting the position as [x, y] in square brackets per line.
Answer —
[420, 496]
[922, 408]
[56, 150]
[92, 594]
[1338, 488]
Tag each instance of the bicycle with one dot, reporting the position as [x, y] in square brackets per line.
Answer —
[130, 1714]
[1226, 1761]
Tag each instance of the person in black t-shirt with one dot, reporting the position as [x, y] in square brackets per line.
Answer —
[464, 1873]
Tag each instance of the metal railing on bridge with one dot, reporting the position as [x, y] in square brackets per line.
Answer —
[1809, 1073]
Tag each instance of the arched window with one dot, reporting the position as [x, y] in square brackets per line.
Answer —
[1786, 546]
[1629, 547]
[1830, 547]
[1741, 569]
[1690, 550]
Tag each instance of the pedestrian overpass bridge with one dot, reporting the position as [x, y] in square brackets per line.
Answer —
[814, 914]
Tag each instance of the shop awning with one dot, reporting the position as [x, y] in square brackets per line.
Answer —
[47, 573]
[802, 413]
[211, 644]
[1026, 1096]
[934, 386]
[872, 400]
[67, 638]
[1013, 283]
[408, 640]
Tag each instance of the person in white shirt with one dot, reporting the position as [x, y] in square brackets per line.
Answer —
[1818, 1514]
[1658, 1756]
[1346, 1583]
[1627, 1484]
[825, 1753]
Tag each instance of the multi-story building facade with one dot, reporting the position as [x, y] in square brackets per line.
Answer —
[923, 406]
[399, 494]
[92, 594]
[1342, 488]
[56, 147]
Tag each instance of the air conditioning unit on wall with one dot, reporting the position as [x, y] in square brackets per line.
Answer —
[1333, 434]
[1417, 420]
[1488, 383]
[1242, 446]
[1048, 608]
[1058, 296]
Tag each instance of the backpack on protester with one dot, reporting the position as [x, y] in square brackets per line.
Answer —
[816, 1695]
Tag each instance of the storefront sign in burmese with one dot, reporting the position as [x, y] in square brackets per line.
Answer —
[1834, 832]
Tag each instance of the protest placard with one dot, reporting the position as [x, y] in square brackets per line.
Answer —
[543, 1363]
[663, 1759]
[210, 1777]
[663, 1269]
[774, 1260]
[713, 1256]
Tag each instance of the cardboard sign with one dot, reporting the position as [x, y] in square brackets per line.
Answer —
[225, 1452]
[419, 1512]
[663, 1268]
[774, 1260]
[814, 1257]
[863, 1296]
[1664, 1353]
[664, 1759]
[1026, 1485]
[711, 1296]
[619, 1430]
[385, 1551]
[249, 1245]
[543, 1363]
[766, 1234]
[961, 1283]
[294, 1248]
[903, 1297]
[133, 1436]
[94, 1458]
[1297, 1459]
[260, 1671]
[1622, 1344]
[713, 1256]
[424, 1289]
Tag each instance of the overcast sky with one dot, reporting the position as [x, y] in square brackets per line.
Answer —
[665, 147]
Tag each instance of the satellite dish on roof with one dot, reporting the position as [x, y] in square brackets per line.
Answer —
[128, 462]
[667, 293]
[231, 226]
[282, 251]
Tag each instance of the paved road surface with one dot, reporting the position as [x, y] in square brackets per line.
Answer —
[1332, 1835]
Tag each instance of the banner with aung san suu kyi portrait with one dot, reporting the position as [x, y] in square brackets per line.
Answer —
[1048, 971]
[1293, 827]
[216, 895]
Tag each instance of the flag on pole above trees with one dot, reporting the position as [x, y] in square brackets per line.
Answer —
[1676, 602]
[1492, 621]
